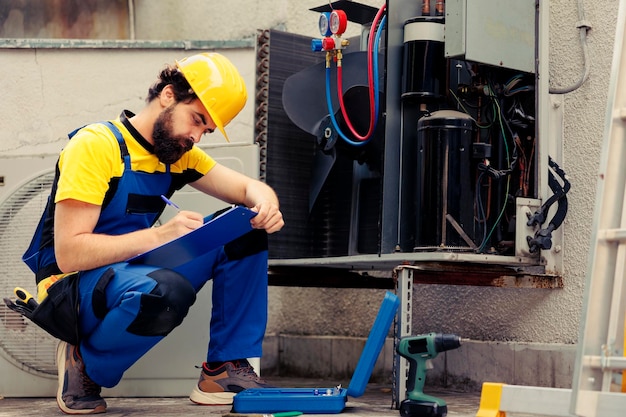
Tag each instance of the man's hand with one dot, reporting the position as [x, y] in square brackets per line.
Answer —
[181, 224]
[234, 187]
[269, 217]
[78, 248]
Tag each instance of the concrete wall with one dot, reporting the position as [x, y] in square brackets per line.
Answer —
[47, 92]
[53, 91]
[239, 19]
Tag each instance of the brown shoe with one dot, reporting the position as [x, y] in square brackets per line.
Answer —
[77, 393]
[218, 386]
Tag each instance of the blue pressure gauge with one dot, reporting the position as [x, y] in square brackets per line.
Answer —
[324, 24]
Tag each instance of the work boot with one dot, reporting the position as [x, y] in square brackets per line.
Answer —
[77, 393]
[219, 385]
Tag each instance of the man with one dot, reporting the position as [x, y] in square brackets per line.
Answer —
[105, 198]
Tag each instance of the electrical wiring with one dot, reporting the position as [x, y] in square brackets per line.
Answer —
[543, 237]
[458, 100]
[530, 159]
[524, 166]
[481, 216]
[583, 27]
[499, 174]
[512, 82]
[498, 109]
[495, 224]
[509, 90]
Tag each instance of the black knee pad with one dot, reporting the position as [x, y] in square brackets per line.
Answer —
[165, 306]
[251, 243]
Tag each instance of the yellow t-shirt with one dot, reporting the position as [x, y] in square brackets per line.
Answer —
[92, 159]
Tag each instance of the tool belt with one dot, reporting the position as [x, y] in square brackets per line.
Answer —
[57, 313]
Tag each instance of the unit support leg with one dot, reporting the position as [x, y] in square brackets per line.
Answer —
[404, 291]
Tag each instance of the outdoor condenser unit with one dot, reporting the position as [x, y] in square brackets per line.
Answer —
[457, 165]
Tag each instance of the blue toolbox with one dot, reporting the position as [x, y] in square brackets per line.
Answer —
[324, 400]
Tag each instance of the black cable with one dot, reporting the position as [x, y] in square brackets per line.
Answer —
[543, 237]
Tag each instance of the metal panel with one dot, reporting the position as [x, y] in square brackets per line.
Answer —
[499, 33]
[456, 21]
[395, 205]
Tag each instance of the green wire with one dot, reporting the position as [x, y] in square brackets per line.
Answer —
[458, 100]
[508, 179]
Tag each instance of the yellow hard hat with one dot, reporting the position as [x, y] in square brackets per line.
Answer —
[218, 85]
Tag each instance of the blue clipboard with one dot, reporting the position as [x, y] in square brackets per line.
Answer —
[215, 232]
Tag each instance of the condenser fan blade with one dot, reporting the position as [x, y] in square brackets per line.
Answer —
[324, 159]
[305, 103]
[322, 165]
[304, 93]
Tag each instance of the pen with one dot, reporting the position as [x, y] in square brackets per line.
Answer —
[170, 202]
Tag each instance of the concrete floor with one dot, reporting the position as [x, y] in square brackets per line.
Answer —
[376, 402]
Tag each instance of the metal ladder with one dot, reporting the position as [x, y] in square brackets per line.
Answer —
[600, 359]
[599, 383]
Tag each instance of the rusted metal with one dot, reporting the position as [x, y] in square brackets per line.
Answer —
[123, 44]
[482, 275]
[65, 19]
[423, 273]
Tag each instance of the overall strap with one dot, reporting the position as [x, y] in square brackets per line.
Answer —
[123, 148]
[121, 142]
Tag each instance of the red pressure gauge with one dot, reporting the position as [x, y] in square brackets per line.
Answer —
[338, 22]
[328, 44]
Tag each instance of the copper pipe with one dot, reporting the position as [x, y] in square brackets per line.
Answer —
[440, 7]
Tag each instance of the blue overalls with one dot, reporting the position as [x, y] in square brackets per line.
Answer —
[126, 309]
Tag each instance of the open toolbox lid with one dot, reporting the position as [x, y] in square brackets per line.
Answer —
[324, 400]
[373, 345]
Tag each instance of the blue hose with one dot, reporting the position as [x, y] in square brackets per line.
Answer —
[329, 102]
[379, 32]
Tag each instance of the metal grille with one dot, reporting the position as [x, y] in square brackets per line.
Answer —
[262, 96]
[23, 342]
[289, 156]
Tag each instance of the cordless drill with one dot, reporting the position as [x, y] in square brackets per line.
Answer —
[417, 350]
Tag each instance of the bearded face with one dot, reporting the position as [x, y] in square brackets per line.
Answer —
[168, 147]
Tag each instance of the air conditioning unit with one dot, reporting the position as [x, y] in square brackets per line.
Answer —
[27, 353]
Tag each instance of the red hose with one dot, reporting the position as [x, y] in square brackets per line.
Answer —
[370, 81]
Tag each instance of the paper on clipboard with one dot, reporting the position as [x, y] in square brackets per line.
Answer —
[216, 232]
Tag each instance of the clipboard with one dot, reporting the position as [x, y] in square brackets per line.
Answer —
[215, 232]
